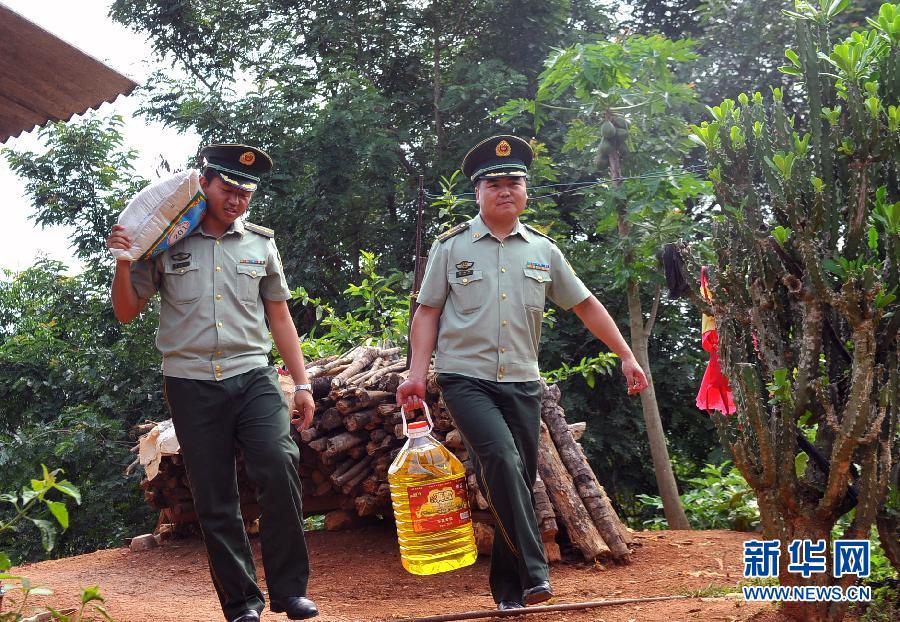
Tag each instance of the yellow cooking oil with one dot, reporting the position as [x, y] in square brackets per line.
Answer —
[431, 508]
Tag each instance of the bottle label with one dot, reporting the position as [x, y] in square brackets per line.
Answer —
[438, 506]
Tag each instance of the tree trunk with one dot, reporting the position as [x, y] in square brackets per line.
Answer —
[662, 466]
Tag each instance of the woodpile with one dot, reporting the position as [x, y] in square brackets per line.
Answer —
[357, 432]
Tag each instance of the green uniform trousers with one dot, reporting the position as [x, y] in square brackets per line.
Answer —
[500, 425]
[213, 419]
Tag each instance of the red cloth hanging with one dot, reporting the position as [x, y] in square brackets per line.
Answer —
[715, 393]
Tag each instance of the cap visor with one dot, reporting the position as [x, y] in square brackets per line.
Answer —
[243, 184]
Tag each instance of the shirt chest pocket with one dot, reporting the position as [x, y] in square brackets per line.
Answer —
[181, 285]
[534, 289]
[248, 277]
[467, 292]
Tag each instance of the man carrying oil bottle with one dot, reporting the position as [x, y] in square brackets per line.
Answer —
[481, 305]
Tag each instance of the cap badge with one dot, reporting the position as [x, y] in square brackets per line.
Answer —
[247, 158]
[503, 149]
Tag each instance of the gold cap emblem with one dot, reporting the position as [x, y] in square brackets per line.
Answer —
[503, 149]
[247, 158]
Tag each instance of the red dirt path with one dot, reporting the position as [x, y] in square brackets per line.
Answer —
[357, 576]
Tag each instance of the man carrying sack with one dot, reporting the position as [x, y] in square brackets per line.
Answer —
[218, 288]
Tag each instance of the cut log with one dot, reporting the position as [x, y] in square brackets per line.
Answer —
[360, 400]
[570, 509]
[589, 489]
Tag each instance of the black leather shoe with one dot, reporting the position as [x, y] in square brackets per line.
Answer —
[251, 615]
[296, 607]
[538, 594]
[509, 604]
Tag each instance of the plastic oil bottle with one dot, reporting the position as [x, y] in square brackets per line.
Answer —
[431, 508]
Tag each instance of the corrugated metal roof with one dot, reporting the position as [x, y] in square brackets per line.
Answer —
[43, 78]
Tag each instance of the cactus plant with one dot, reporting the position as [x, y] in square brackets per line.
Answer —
[805, 283]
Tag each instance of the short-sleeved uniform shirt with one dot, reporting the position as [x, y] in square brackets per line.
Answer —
[492, 294]
[212, 322]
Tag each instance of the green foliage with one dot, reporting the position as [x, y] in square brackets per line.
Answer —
[82, 180]
[719, 498]
[379, 312]
[589, 367]
[72, 383]
[34, 505]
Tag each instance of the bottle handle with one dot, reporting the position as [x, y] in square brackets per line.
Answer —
[427, 417]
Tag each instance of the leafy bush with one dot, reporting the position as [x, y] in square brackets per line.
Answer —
[719, 499]
[379, 312]
[34, 505]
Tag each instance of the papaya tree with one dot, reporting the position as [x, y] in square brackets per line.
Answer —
[623, 111]
[805, 260]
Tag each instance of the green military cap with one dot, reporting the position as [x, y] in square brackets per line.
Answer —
[498, 156]
[238, 165]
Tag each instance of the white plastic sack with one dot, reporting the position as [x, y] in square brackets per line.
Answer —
[161, 214]
[158, 442]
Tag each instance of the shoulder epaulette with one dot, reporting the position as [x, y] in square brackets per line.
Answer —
[534, 229]
[446, 235]
[269, 233]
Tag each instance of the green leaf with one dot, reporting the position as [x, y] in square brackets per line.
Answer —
[59, 511]
[781, 234]
[41, 591]
[873, 239]
[48, 532]
[89, 594]
[801, 461]
[5, 563]
[67, 488]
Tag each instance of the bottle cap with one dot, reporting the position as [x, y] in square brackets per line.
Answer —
[417, 429]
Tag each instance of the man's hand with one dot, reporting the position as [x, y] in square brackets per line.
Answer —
[634, 376]
[118, 238]
[304, 408]
[411, 394]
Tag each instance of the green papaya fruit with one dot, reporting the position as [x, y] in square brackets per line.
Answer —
[621, 135]
[620, 122]
[608, 130]
[606, 147]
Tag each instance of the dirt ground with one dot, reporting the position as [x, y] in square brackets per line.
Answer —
[357, 576]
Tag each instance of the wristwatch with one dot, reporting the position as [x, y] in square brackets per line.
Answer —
[302, 387]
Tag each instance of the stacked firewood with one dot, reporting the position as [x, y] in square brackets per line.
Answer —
[357, 432]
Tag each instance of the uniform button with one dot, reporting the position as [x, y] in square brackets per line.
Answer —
[503, 296]
[218, 353]
[504, 323]
[218, 296]
[253, 274]
[501, 244]
[218, 242]
[502, 350]
[499, 376]
[218, 268]
[218, 368]
[502, 269]
[465, 281]
[219, 324]
[181, 271]
[476, 235]
[218, 374]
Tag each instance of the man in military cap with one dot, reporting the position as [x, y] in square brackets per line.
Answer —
[480, 306]
[218, 287]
